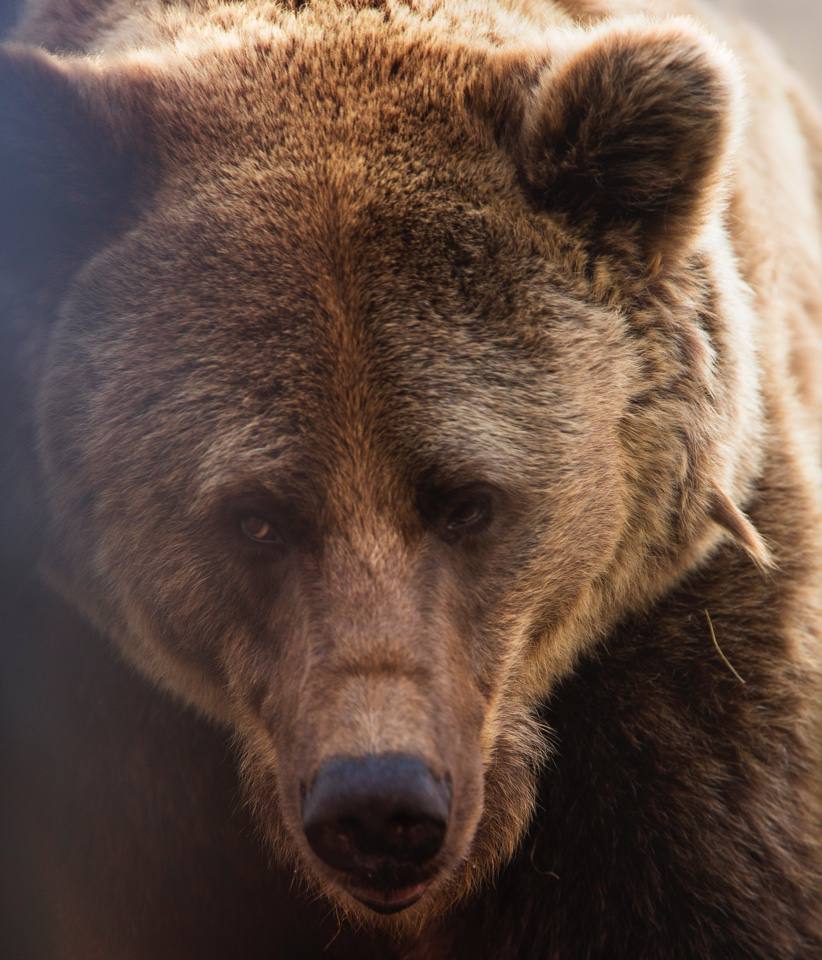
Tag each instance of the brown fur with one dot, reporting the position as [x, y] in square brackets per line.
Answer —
[334, 264]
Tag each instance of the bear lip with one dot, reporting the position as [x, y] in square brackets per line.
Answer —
[390, 901]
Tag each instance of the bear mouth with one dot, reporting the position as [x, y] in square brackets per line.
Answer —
[392, 900]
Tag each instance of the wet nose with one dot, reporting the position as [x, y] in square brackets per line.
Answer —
[376, 817]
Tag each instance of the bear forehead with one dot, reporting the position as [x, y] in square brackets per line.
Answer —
[275, 244]
[281, 174]
[265, 338]
[255, 344]
[330, 221]
[333, 84]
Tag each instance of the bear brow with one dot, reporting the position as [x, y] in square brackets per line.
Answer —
[230, 469]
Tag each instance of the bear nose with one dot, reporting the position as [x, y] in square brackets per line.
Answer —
[380, 818]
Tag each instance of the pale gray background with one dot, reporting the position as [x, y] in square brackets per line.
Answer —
[795, 25]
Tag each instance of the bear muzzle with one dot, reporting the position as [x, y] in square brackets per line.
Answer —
[380, 821]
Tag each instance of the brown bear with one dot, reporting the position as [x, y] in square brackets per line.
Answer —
[426, 395]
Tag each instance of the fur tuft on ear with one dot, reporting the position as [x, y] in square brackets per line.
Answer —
[65, 177]
[631, 129]
[728, 515]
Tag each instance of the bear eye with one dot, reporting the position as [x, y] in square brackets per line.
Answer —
[458, 513]
[259, 529]
[468, 514]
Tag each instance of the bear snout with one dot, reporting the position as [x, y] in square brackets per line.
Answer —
[381, 820]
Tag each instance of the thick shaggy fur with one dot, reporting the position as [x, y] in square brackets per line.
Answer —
[344, 265]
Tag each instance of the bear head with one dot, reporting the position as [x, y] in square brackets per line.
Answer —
[379, 370]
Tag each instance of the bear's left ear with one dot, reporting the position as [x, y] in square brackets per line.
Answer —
[631, 130]
[68, 161]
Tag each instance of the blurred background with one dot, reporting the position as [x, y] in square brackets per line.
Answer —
[796, 26]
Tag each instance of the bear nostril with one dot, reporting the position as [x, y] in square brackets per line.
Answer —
[382, 816]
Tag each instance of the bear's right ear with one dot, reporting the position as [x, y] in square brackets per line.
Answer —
[628, 133]
[66, 174]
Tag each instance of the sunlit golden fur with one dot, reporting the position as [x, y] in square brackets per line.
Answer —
[372, 252]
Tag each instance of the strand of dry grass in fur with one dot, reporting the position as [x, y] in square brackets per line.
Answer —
[725, 660]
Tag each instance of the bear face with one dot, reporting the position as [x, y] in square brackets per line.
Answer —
[382, 405]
